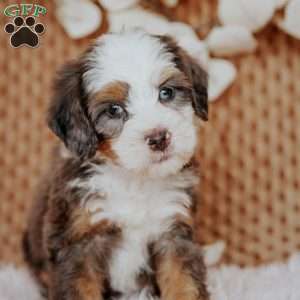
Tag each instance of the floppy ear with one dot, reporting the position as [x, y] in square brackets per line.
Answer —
[198, 78]
[196, 75]
[67, 117]
[199, 81]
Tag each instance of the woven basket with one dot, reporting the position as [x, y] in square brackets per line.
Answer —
[249, 149]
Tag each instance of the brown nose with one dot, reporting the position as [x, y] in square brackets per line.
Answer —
[158, 139]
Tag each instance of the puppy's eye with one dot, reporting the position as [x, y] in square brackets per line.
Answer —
[166, 94]
[115, 111]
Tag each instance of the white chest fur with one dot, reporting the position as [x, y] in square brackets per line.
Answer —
[143, 208]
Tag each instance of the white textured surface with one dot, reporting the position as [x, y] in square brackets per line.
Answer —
[278, 281]
[114, 5]
[252, 14]
[17, 284]
[291, 22]
[78, 20]
[221, 75]
[230, 40]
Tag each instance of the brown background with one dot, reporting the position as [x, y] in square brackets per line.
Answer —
[249, 148]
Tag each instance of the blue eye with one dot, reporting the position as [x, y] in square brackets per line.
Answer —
[115, 111]
[166, 94]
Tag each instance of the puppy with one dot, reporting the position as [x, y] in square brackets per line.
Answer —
[114, 216]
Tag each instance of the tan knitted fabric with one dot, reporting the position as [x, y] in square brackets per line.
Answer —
[249, 148]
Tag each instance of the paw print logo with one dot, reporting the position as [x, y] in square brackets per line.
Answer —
[24, 32]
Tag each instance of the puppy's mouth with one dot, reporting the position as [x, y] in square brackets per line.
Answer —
[162, 157]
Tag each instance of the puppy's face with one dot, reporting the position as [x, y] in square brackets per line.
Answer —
[135, 98]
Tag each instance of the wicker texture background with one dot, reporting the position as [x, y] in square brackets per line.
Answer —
[249, 149]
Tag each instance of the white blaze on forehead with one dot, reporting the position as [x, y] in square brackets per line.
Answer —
[134, 57]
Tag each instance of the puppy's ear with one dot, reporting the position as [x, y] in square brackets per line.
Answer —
[199, 80]
[197, 76]
[67, 117]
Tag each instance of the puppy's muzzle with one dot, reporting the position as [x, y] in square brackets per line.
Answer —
[158, 139]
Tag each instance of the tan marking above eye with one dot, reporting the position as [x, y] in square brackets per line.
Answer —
[113, 91]
[174, 77]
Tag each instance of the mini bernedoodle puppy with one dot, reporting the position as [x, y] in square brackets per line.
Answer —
[114, 216]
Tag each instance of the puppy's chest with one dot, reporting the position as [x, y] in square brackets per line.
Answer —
[143, 210]
[135, 204]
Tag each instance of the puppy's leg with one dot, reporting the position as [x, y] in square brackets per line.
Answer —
[74, 277]
[180, 268]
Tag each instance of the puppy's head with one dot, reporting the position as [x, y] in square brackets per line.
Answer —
[134, 98]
